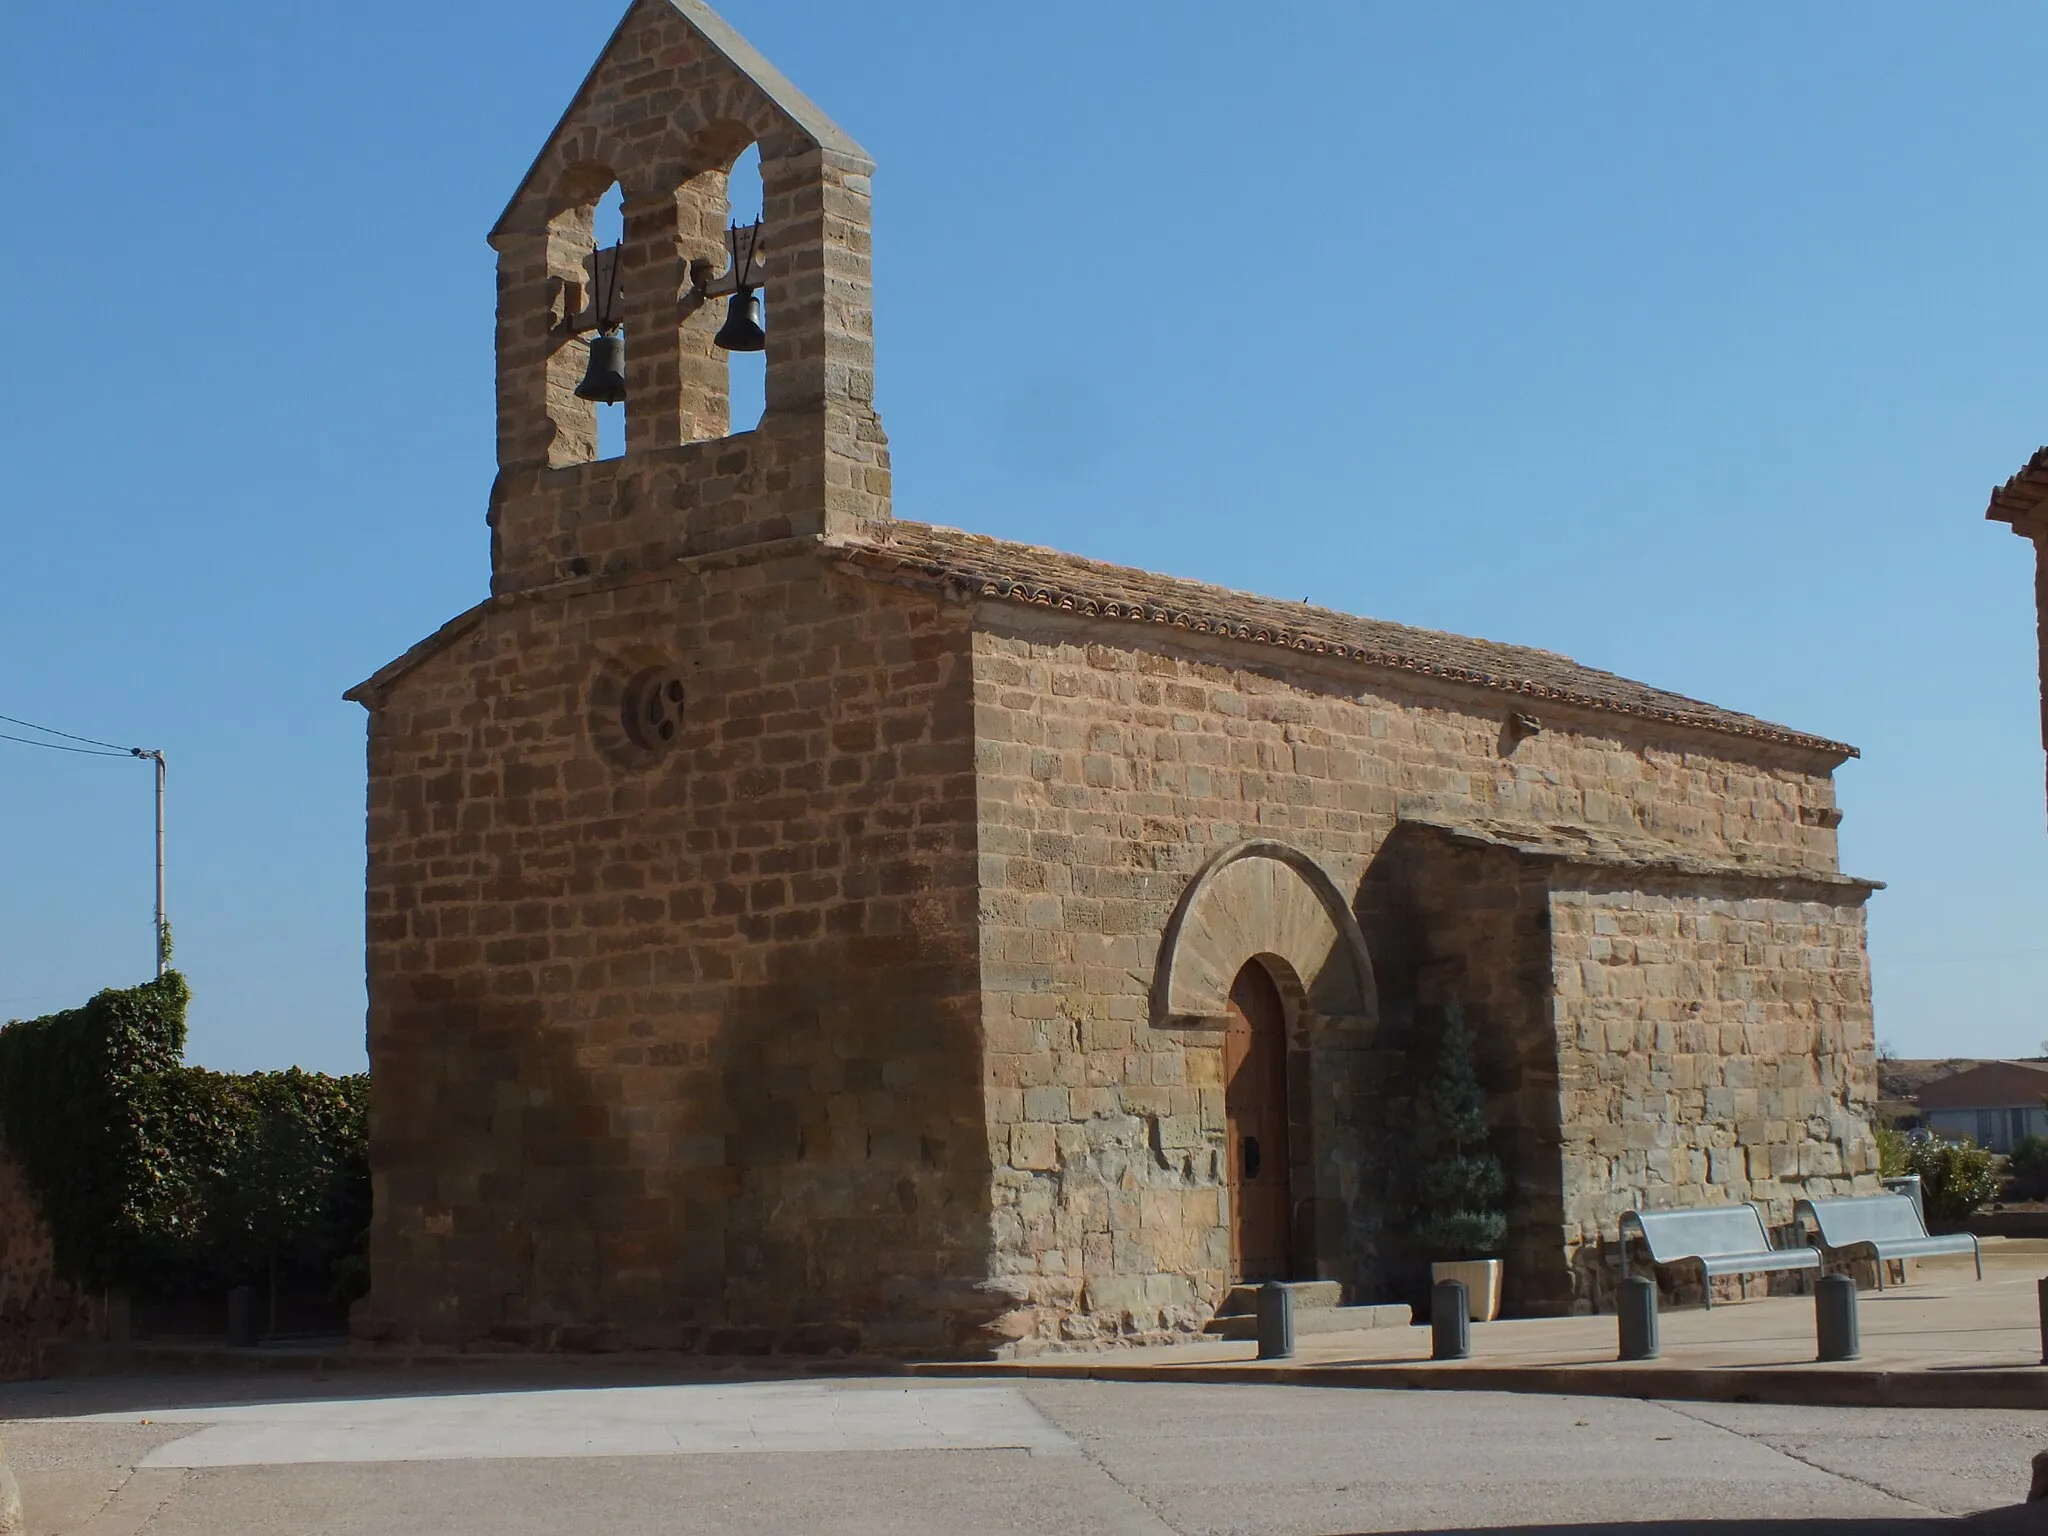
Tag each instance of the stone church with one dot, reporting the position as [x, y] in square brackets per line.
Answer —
[795, 928]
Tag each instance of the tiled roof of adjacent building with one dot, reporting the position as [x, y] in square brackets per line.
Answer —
[2023, 493]
[1988, 1085]
[981, 567]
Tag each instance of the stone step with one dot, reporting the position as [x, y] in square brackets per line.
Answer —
[1314, 1320]
[1243, 1300]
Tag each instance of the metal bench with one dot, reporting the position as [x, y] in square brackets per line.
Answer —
[1721, 1239]
[1888, 1225]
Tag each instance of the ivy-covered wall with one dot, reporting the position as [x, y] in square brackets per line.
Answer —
[160, 1180]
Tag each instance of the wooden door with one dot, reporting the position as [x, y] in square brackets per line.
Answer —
[1255, 1104]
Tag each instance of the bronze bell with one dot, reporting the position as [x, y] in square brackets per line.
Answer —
[605, 379]
[742, 329]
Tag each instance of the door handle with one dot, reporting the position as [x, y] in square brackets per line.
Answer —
[1251, 1157]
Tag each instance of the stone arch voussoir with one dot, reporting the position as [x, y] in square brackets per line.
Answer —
[1262, 897]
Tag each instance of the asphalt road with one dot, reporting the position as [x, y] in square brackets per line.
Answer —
[562, 1453]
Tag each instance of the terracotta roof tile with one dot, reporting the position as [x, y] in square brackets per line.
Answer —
[1988, 1085]
[2023, 493]
[1611, 848]
[978, 566]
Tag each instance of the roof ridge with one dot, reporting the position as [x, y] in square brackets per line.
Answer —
[935, 553]
[740, 55]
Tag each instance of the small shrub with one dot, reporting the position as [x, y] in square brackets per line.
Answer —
[1955, 1177]
[2027, 1169]
[1891, 1151]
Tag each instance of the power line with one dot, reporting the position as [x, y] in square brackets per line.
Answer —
[91, 747]
[58, 746]
[51, 730]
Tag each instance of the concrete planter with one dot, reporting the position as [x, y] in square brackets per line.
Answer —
[1482, 1284]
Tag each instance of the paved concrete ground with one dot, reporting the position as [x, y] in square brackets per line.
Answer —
[171, 1456]
[1945, 1339]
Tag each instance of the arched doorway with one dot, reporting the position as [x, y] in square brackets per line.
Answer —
[1255, 1107]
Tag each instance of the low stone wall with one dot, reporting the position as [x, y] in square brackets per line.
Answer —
[2000, 1224]
[36, 1308]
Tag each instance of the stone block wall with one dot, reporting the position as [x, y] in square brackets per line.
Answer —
[680, 1052]
[615, 516]
[1110, 765]
[1715, 1045]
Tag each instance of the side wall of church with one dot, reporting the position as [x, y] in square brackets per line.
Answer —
[1715, 1044]
[1108, 772]
[679, 1053]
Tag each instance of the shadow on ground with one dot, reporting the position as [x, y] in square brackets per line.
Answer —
[1991, 1522]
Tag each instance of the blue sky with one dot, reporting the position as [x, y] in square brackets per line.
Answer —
[1687, 342]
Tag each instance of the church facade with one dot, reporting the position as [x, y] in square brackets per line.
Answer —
[795, 928]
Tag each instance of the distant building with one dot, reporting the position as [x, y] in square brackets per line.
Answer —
[1993, 1104]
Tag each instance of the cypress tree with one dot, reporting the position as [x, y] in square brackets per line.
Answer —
[1461, 1185]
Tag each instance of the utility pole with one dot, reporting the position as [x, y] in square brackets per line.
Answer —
[163, 934]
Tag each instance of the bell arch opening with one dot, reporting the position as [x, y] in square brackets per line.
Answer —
[568, 248]
[607, 231]
[747, 372]
[641, 284]
[714, 384]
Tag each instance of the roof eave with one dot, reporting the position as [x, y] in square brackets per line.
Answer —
[1670, 862]
[369, 692]
[885, 562]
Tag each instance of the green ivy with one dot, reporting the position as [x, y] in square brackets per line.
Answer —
[163, 1179]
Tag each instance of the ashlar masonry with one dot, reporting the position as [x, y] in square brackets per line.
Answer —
[795, 928]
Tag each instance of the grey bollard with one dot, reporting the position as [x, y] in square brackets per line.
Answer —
[242, 1317]
[1834, 1317]
[1637, 1310]
[2042, 1286]
[1276, 1320]
[1450, 1321]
